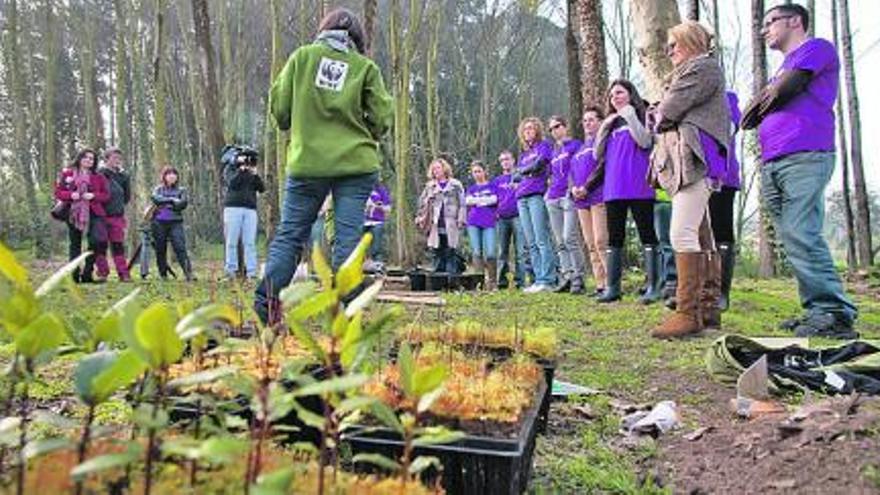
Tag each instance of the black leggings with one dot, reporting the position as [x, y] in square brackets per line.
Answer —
[643, 214]
[96, 241]
[162, 233]
[721, 213]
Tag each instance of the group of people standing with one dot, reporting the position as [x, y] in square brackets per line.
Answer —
[562, 203]
[672, 165]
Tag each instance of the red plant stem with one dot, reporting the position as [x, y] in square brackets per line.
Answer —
[151, 432]
[82, 449]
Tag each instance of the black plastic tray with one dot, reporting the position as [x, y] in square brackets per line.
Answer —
[472, 465]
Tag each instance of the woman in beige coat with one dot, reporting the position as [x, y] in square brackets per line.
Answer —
[442, 215]
[689, 162]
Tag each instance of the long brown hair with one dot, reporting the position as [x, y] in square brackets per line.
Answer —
[345, 20]
[634, 98]
[79, 156]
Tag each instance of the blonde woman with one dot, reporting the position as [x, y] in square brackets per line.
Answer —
[442, 215]
[532, 171]
[689, 162]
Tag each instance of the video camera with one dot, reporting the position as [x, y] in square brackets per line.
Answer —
[239, 155]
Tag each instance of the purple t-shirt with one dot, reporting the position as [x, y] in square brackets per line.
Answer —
[731, 177]
[583, 162]
[560, 165]
[716, 158]
[806, 123]
[505, 190]
[537, 184]
[378, 196]
[626, 168]
[480, 215]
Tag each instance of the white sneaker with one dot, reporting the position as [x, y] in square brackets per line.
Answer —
[535, 288]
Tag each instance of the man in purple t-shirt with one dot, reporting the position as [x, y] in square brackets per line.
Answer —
[508, 228]
[794, 115]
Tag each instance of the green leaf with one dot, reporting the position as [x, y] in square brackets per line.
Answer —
[308, 417]
[340, 323]
[36, 448]
[49, 418]
[202, 377]
[195, 322]
[386, 416]
[88, 369]
[105, 462]
[377, 460]
[352, 342]
[291, 295]
[407, 368]
[216, 450]
[44, 334]
[12, 269]
[148, 417]
[126, 368]
[18, 311]
[154, 330]
[427, 380]
[305, 338]
[351, 273]
[435, 435]
[315, 305]
[322, 268]
[332, 386]
[427, 400]
[60, 275]
[423, 462]
[357, 403]
[364, 298]
[275, 483]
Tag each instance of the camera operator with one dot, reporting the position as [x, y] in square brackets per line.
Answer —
[240, 207]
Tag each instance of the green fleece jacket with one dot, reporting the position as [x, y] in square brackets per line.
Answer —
[336, 107]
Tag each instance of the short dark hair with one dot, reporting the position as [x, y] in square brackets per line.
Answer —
[594, 109]
[345, 20]
[558, 118]
[794, 10]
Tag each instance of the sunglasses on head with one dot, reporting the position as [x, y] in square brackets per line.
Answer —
[556, 126]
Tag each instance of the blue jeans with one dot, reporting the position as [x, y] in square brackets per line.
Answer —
[509, 230]
[302, 202]
[793, 191]
[482, 242]
[377, 248]
[536, 229]
[662, 219]
[240, 223]
[566, 231]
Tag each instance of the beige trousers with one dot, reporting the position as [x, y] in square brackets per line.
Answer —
[595, 233]
[690, 215]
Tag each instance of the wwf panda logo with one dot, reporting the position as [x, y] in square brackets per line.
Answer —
[331, 74]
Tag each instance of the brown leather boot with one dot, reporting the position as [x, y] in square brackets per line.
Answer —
[711, 292]
[686, 320]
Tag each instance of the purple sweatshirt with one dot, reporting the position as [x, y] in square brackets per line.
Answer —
[481, 200]
[505, 190]
[373, 213]
[560, 165]
[583, 162]
[626, 168]
[535, 184]
[731, 178]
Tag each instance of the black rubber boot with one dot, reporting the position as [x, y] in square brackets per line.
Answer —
[727, 251]
[614, 264]
[652, 273]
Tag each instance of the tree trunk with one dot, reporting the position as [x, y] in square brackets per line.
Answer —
[50, 153]
[371, 12]
[272, 159]
[651, 19]
[851, 256]
[766, 249]
[432, 96]
[121, 75]
[15, 74]
[692, 10]
[572, 58]
[863, 212]
[594, 62]
[811, 8]
[160, 125]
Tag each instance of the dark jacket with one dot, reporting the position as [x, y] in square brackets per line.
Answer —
[242, 187]
[170, 203]
[119, 184]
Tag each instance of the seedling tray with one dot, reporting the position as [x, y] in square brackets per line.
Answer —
[472, 465]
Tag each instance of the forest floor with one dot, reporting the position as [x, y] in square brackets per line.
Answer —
[607, 348]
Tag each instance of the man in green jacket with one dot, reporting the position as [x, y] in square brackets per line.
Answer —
[333, 100]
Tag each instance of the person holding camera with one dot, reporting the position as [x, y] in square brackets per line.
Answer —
[243, 183]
